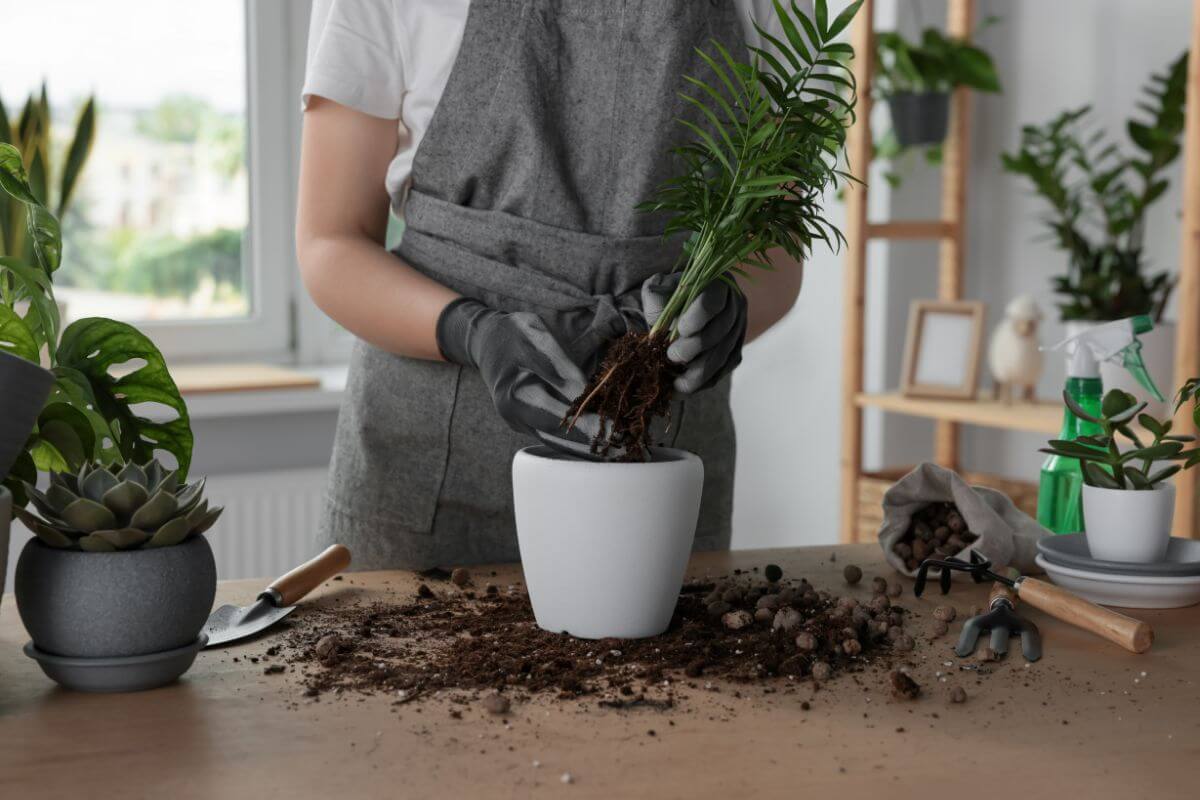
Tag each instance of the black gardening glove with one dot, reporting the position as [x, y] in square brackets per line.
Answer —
[531, 378]
[711, 330]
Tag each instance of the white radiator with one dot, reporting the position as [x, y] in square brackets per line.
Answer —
[269, 524]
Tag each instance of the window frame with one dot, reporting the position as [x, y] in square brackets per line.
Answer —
[269, 331]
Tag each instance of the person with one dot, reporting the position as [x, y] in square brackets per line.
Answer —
[515, 139]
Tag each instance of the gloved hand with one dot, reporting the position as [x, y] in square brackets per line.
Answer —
[711, 330]
[531, 378]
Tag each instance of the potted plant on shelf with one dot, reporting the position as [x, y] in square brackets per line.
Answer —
[1098, 198]
[116, 569]
[916, 80]
[754, 182]
[1128, 505]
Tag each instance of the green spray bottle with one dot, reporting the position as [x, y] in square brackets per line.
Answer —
[1060, 506]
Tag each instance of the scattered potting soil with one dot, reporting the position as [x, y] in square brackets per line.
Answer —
[739, 630]
[938, 530]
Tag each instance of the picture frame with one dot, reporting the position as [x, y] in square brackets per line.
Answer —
[943, 349]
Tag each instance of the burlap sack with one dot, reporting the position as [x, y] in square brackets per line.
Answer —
[1007, 535]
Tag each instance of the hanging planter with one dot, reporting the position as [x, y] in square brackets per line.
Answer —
[919, 118]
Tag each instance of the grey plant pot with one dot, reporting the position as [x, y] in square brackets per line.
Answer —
[105, 605]
[920, 118]
[5, 522]
[26, 386]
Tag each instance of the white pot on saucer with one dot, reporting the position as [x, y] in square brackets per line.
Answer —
[1128, 525]
[604, 546]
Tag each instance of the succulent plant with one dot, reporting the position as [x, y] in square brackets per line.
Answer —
[1108, 465]
[118, 507]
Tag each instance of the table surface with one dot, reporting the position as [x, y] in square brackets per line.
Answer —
[1088, 719]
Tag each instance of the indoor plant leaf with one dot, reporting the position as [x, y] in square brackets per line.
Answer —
[88, 516]
[125, 498]
[1099, 477]
[171, 533]
[15, 336]
[93, 346]
[43, 227]
[71, 433]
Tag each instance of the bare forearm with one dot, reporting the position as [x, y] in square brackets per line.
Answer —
[374, 295]
[772, 294]
[341, 226]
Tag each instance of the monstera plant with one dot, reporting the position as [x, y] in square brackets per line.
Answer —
[106, 373]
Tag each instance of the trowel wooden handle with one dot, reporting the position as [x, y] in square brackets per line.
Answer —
[1132, 634]
[311, 574]
[999, 590]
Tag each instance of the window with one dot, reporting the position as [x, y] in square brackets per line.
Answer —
[181, 219]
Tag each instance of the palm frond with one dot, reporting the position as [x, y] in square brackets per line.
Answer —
[767, 149]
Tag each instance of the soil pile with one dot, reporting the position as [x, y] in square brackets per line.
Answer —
[742, 630]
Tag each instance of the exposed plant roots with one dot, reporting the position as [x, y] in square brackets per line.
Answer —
[632, 387]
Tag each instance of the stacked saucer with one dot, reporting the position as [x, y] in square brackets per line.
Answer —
[1173, 582]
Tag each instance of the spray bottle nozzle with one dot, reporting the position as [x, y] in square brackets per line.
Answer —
[1110, 342]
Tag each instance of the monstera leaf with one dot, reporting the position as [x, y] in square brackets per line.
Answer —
[43, 227]
[15, 336]
[92, 347]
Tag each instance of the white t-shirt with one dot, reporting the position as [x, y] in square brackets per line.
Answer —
[392, 59]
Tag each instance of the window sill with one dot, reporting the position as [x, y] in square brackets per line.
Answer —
[325, 395]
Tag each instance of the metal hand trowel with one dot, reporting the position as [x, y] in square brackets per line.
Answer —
[230, 623]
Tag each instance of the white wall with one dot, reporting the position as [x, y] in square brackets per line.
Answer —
[1051, 56]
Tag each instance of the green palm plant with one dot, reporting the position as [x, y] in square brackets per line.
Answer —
[96, 409]
[30, 133]
[753, 179]
[118, 507]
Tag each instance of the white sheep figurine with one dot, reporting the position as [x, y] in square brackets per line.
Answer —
[1013, 354]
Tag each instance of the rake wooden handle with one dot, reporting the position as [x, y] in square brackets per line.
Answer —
[999, 590]
[1132, 634]
[303, 579]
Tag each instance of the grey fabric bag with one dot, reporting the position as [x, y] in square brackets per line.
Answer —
[1007, 536]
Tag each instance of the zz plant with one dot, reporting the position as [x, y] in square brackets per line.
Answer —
[1098, 198]
[1106, 465]
[106, 373]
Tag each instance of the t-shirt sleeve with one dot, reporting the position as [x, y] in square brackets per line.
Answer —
[355, 56]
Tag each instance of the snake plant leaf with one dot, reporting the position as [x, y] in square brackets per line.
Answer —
[93, 346]
[96, 544]
[77, 154]
[170, 534]
[88, 516]
[96, 482]
[188, 495]
[43, 227]
[157, 510]
[125, 498]
[207, 521]
[123, 538]
[133, 472]
[15, 336]
[48, 534]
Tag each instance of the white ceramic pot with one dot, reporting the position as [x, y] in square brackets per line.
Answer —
[1127, 525]
[605, 546]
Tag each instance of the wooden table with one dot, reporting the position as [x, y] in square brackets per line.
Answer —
[1087, 721]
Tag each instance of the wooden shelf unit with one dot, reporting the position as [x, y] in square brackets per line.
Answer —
[949, 230]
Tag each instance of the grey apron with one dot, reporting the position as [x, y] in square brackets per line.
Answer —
[556, 122]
